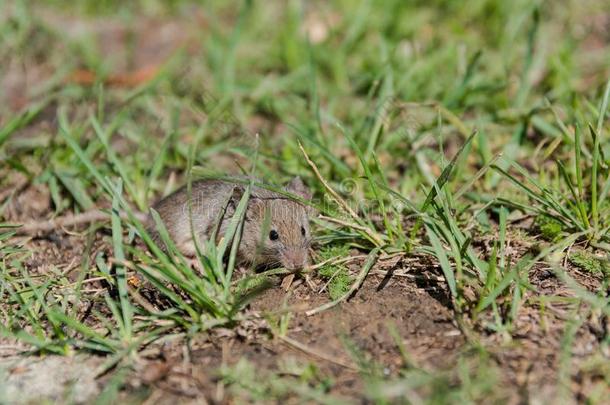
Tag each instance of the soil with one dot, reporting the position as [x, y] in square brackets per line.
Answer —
[404, 296]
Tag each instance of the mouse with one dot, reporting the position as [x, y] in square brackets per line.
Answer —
[275, 230]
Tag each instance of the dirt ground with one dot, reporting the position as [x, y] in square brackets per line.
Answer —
[406, 295]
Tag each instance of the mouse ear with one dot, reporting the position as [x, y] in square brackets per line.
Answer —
[296, 186]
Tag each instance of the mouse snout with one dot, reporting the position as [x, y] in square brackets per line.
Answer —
[295, 259]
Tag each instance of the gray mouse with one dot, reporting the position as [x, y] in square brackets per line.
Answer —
[275, 230]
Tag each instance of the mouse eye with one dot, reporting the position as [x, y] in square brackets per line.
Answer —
[273, 235]
[303, 231]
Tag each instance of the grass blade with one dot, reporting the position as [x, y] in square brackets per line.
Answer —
[119, 254]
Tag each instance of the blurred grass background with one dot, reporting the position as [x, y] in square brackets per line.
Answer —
[382, 95]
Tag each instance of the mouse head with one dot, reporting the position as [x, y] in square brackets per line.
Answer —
[276, 228]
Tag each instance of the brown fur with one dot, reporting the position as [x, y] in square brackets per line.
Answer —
[267, 211]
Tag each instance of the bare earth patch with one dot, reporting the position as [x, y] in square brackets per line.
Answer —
[416, 307]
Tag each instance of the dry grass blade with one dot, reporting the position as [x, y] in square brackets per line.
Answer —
[59, 223]
[340, 201]
[315, 353]
[372, 258]
[352, 225]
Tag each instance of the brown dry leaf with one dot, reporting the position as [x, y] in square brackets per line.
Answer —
[130, 79]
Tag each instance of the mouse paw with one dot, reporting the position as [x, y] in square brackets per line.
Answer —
[287, 282]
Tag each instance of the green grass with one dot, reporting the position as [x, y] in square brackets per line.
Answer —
[426, 129]
[337, 276]
[586, 261]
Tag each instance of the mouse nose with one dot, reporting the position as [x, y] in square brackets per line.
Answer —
[294, 259]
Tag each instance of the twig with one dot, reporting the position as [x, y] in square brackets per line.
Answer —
[342, 203]
[312, 352]
[354, 226]
[55, 224]
[335, 260]
[372, 258]
[352, 258]
[89, 280]
[329, 281]
[413, 276]
[347, 260]
[93, 290]
[141, 300]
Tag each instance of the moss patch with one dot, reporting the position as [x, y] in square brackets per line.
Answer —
[549, 227]
[340, 280]
[590, 263]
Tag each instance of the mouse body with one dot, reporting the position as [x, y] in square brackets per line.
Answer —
[275, 229]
